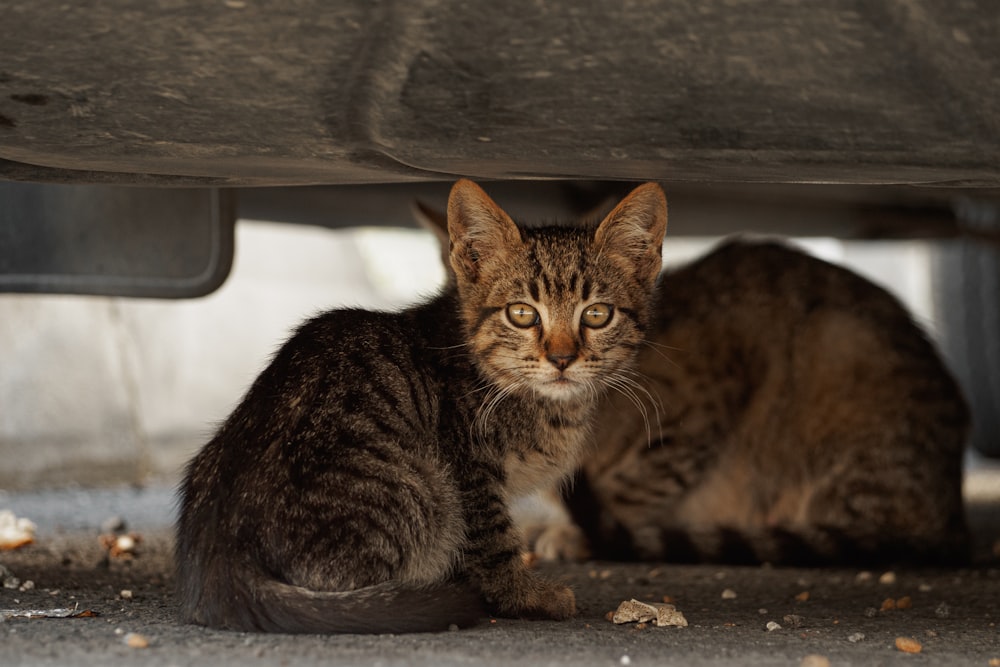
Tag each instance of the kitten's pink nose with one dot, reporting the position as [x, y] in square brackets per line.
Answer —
[561, 361]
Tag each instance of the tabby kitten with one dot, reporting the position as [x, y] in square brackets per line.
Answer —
[362, 484]
[798, 416]
[792, 413]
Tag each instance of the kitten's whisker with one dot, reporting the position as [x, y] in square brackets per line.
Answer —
[655, 348]
[630, 389]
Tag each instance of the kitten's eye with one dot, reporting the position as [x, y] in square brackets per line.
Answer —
[522, 315]
[597, 315]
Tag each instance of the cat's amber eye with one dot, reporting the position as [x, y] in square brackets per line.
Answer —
[597, 315]
[522, 315]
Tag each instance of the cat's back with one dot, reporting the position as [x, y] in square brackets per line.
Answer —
[740, 277]
[343, 376]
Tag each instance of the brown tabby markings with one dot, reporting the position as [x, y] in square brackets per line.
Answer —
[362, 484]
[803, 417]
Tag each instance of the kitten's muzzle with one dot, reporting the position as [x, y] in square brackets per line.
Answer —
[561, 361]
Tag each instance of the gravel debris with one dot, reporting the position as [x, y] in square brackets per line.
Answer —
[135, 640]
[729, 594]
[14, 532]
[793, 620]
[856, 637]
[908, 645]
[887, 578]
[121, 546]
[772, 626]
[7, 578]
[942, 610]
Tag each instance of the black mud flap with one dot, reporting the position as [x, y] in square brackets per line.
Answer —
[112, 240]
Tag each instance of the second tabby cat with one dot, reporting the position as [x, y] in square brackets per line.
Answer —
[798, 415]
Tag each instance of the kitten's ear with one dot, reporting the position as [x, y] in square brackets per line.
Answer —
[481, 233]
[633, 232]
[436, 222]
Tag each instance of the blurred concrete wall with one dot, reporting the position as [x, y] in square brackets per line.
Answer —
[99, 391]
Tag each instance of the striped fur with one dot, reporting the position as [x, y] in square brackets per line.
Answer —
[362, 484]
[797, 415]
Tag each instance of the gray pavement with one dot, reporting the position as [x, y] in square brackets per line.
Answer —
[835, 613]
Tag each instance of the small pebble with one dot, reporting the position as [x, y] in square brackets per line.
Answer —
[856, 637]
[793, 620]
[925, 588]
[762, 611]
[942, 610]
[908, 645]
[815, 660]
[802, 597]
[888, 578]
[871, 612]
[625, 660]
[772, 626]
[904, 602]
[888, 604]
[729, 594]
[863, 576]
[126, 594]
[135, 640]
[27, 586]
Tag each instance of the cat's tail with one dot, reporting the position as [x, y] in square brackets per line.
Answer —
[813, 545]
[799, 546]
[250, 601]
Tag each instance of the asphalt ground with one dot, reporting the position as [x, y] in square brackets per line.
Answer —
[736, 615]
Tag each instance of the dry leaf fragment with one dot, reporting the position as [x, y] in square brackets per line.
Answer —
[904, 602]
[908, 645]
[802, 597]
[662, 615]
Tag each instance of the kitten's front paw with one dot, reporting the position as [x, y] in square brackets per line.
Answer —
[561, 541]
[537, 599]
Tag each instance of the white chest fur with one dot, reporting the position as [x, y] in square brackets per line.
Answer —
[549, 460]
